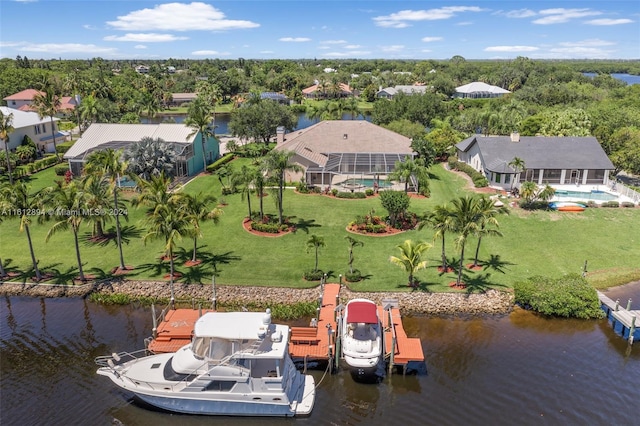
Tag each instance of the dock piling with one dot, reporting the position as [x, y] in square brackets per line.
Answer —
[629, 304]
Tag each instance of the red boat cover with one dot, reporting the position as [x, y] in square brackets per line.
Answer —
[365, 312]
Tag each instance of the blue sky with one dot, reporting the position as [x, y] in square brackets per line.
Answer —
[262, 29]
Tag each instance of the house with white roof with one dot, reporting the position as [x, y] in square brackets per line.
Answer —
[391, 92]
[38, 129]
[478, 89]
[552, 160]
[186, 143]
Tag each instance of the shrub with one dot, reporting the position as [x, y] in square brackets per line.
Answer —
[627, 204]
[61, 169]
[220, 162]
[353, 277]
[592, 204]
[271, 228]
[610, 204]
[351, 195]
[313, 275]
[570, 296]
[334, 192]
[368, 192]
[63, 147]
[479, 180]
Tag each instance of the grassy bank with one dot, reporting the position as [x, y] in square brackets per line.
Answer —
[534, 243]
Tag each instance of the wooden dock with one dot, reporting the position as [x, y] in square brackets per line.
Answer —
[625, 321]
[308, 345]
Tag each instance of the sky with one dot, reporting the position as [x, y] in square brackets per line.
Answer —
[329, 29]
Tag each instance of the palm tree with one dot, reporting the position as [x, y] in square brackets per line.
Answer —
[153, 193]
[98, 200]
[199, 120]
[465, 217]
[352, 244]
[169, 222]
[18, 198]
[196, 208]
[315, 242]
[402, 172]
[410, 258]
[277, 163]
[518, 166]
[351, 107]
[487, 212]
[150, 157]
[68, 201]
[47, 104]
[109, 164]
[89, 110]
[441, 221]
[247, 176]
[6, 128]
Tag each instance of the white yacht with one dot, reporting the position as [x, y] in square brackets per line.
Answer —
[237, 364]
[362, 337]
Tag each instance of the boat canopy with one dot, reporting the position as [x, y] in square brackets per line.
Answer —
[233, 325]
[362, 311]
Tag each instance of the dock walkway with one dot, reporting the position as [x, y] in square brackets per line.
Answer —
[626, 322]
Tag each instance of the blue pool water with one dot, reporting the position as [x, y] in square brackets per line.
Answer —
[126, 183]
[591, 195]
[367, 182]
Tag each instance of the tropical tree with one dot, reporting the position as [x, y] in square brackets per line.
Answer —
[18, 198]
[196, 208]
[518, 166]
[109, 164]
[69, 203]
[315, 242]
[199, 120]
[47, 104]
[277, 163]
[402, 172]
[465, 220]
[89, 110]
[410, 258]
[153, 193]
[6, 128]
[487, 212]
[150, 157]
[441, 221]
[396, 203]
[98, 200]
[531, 192]
[247, 176]
[352, 244]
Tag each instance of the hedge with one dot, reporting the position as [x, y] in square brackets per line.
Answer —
[220, 162]
[352, 195]
[479, 180]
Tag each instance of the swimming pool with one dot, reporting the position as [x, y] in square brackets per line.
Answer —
[366, 182]
[591, 195]
[125, 182]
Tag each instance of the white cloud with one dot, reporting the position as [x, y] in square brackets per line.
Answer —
[204, 52]
[333, 42]
[267, 52]
[609, 21]
[392, 48]
[294, 39]
[349, 54]
[352, 46]
[520, 13]
[594, 42]
[580, 52]
[66, 48]
[89, 27]
[561, 15]
[25, 1]
[139, 46]
[401, 19]
[179, 17]
[511, 49]
[430, 39]
[145, 38]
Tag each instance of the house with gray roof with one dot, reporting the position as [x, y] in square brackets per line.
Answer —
[391, 92]
[27, 123]
[333, 150]
[186, 143]
[552, 160]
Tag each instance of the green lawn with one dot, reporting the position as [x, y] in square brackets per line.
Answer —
[545, 243]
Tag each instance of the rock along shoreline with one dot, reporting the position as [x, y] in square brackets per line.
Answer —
[413, 303]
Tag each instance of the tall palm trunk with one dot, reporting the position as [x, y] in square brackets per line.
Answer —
[280, 194]
[475, 261]
[118, 232]
[444, 256]
[6, 150]
[33, 255]
[195, 248]
[249, 201]
[53, 135]
[204, 152]
[460, 266]
[171, 269]
[75, 238]
[2, 271]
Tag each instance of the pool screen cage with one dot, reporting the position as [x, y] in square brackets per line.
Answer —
[364, 164]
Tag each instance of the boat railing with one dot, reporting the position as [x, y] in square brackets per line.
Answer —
[119, 358]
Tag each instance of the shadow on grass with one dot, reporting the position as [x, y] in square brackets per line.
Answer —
[496, 264]
[479, 283]
[127, 233]
[304, 224]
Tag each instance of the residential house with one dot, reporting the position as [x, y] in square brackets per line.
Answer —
[23, 101]
[142, 69]
[391, 92]
[331, 151]
[188, 146]
[552, 160]
[178, 99]
[326, 90]
[478, 90]
[27, 123]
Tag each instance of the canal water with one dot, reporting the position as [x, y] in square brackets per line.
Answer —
[498, 370]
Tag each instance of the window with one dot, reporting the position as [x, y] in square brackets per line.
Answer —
[498, 177]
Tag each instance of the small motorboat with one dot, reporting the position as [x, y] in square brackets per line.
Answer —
[567, 206]
[237, 364]
[362, 338]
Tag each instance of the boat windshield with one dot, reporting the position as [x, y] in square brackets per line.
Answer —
[211, 348]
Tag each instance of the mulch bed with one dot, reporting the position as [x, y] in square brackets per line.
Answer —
[176, 275]
[190, 263]
[246, 224]
[474, 268]
[443, 271]
[455, 286]
[389, 231]
[118, 271]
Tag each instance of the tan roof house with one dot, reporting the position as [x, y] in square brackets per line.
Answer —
[23, 100]
[325, 90]
[333, 151]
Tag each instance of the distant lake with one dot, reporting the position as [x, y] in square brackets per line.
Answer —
[222, 120]
[627, 78]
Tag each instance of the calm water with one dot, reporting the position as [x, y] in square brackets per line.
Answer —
[627, 78]
[515, 369]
